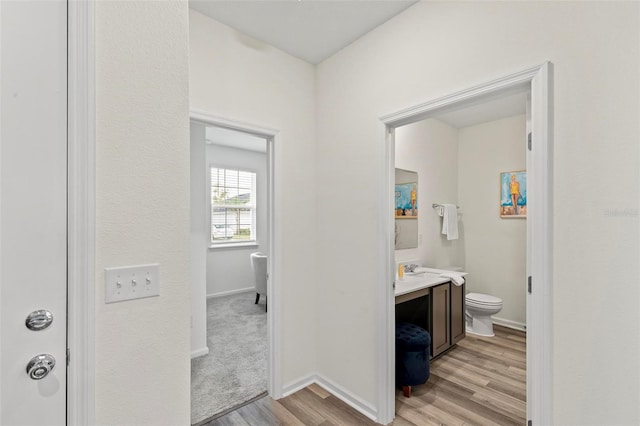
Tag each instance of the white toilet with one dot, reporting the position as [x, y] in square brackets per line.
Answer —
[480, 307]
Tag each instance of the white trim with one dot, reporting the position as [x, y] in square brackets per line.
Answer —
[385, 319]
[200, 352]
[509, 324]
[539, 237]
[420, 112]
[540, 251]
[347, 397]
[336, 390]
[204, 117]
[293, 387]
[81, 213]
[230, 292]
[234, 245]
[274, 315]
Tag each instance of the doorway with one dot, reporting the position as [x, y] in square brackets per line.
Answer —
[459, 158]
[231, 236]
[537, 81]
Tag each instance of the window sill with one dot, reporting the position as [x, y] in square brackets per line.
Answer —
[234, 245]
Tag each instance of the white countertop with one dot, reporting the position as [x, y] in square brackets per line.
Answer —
[424, 278]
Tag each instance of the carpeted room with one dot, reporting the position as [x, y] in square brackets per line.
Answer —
[234, 370]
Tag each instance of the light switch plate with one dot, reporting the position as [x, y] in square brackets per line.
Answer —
[131, 282]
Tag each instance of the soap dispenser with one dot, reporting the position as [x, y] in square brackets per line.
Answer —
[400, 271]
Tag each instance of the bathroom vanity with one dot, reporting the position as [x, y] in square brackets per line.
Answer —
[433, 303]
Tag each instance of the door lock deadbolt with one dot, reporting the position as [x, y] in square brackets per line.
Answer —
[39, 320]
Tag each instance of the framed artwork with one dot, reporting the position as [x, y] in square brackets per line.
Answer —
[407, 200]
[513, 194]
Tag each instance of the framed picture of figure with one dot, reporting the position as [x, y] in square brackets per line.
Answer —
[407, 200]
[513, 194]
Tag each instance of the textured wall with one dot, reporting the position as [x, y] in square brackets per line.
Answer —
[495, 248]
[436, 48]
[142, 209]
[239, 78]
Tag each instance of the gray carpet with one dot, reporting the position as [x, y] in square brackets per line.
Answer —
[235, 370]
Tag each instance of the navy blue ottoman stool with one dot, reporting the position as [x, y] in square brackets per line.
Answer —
[413, 345]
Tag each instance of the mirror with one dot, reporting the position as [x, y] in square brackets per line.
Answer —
[406, 209]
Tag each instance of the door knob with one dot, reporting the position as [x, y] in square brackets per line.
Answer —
[39, 320]
[40, 366]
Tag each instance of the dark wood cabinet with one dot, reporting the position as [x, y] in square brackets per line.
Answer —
[440, 319]
[447, 322]
[439, 310]
[458, 322]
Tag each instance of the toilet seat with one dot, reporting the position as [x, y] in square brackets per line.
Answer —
[480, 300]
[477, 306]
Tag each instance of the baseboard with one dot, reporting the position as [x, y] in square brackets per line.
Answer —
[295, 386]
[336, 390]
[230, 292]
[348, 398]
[509, 324]
[199, 352]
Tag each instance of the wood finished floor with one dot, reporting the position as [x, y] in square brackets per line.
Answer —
[479, 382]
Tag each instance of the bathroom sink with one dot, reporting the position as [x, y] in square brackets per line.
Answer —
[411, 283]
[424, 278]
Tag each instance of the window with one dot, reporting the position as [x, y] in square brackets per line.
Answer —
[233, 206]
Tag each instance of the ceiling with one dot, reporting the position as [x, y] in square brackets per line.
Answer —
[311, 30]
[485, 110]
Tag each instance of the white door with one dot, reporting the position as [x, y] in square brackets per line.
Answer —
[33, 215]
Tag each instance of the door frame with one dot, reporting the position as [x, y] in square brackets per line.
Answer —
[274, 314]
[81, 279]
[539, 237]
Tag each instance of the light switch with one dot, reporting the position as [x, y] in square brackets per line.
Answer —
[131, 282]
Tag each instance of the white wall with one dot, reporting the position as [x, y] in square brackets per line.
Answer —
[436, 48]
[430, 147]
[238, 78]
[495, 248]
[432, 49]
[229, 269]
[142, 210]
[199, 241]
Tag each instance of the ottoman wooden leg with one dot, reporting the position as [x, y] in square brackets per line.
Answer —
[406, 390]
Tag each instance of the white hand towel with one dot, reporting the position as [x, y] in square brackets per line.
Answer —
[450, 221]
[456, 278]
